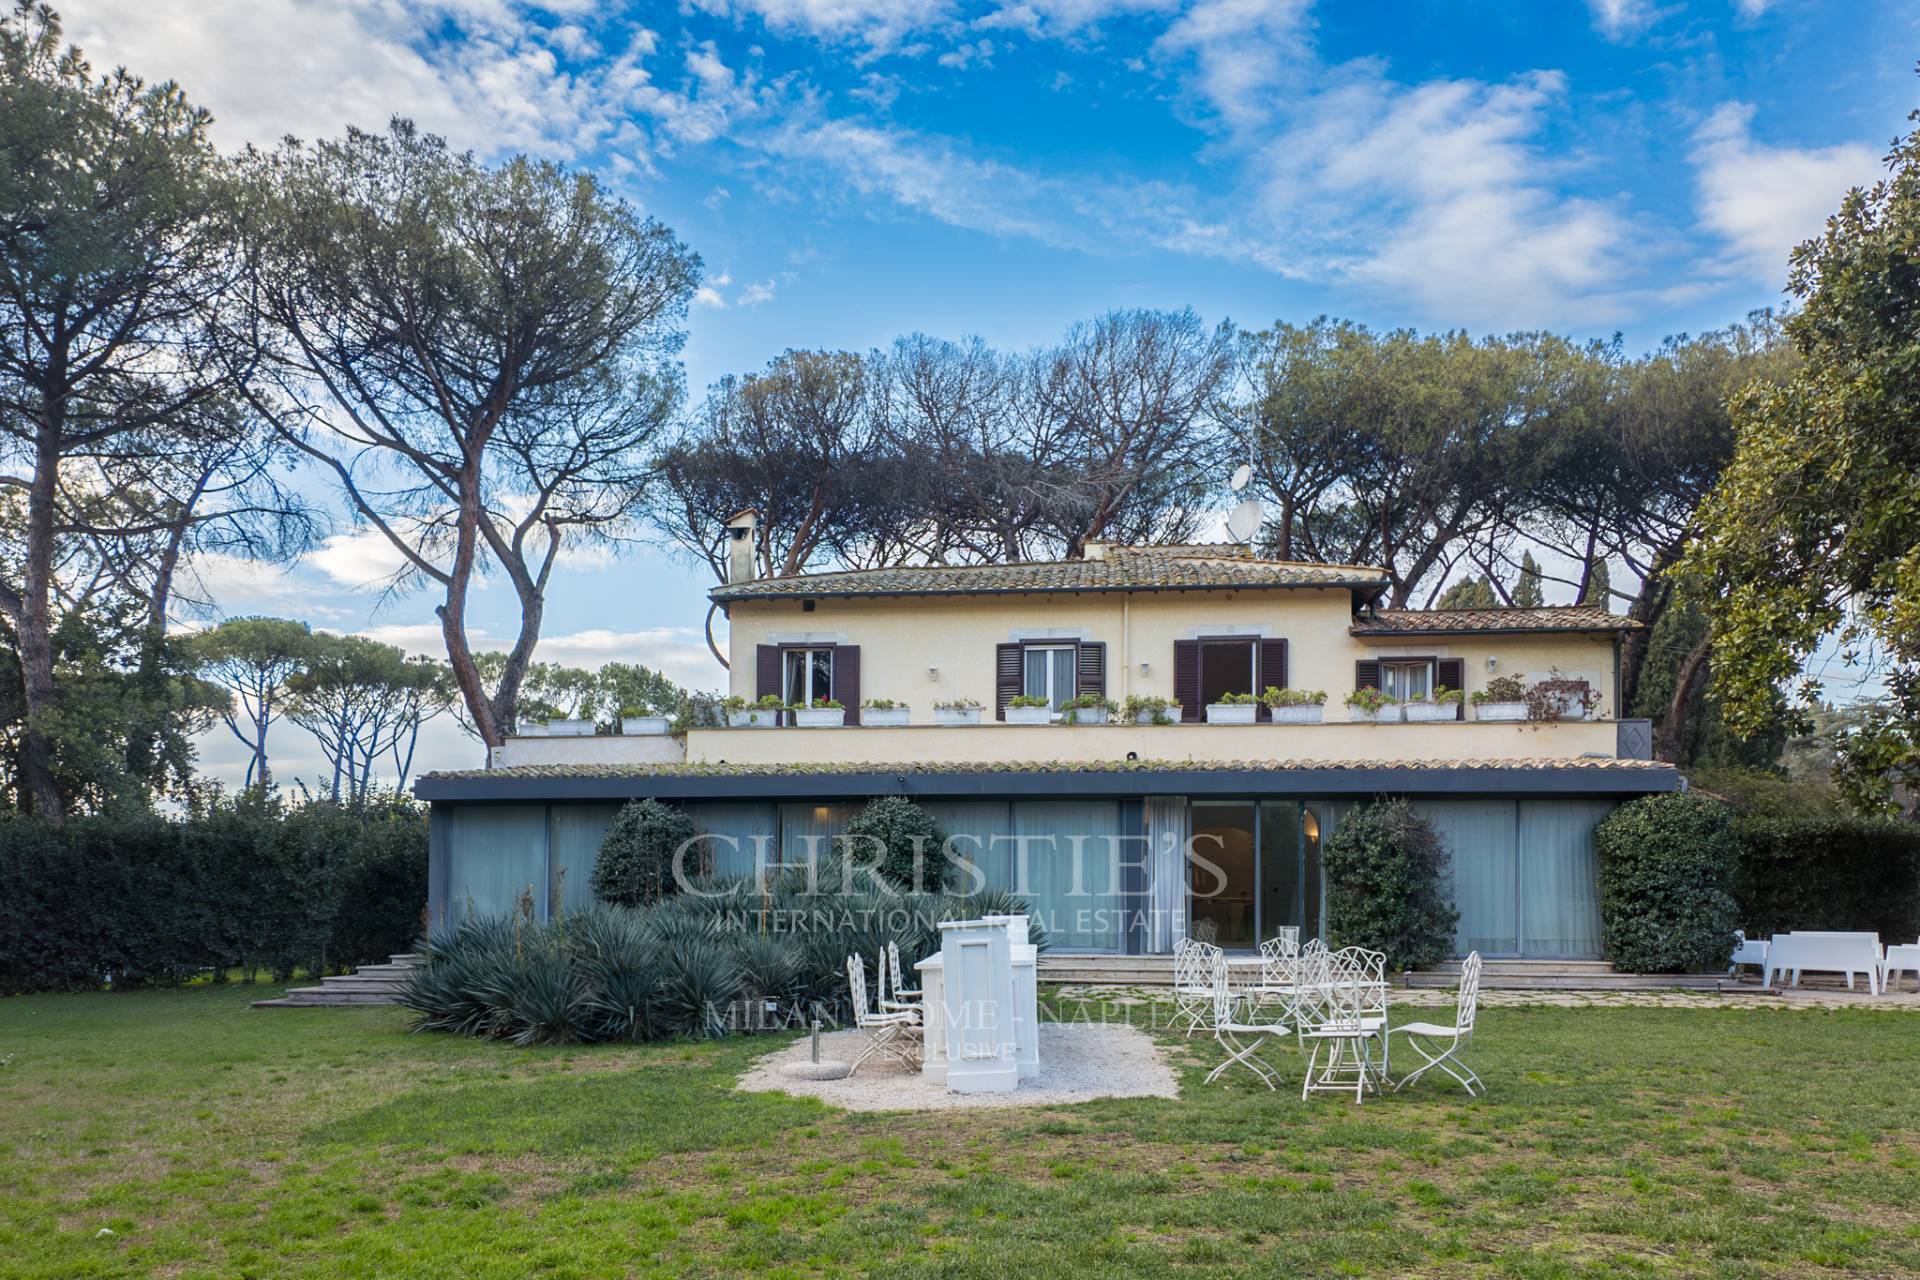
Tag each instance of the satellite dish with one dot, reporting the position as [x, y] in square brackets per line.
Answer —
[1244, 521]
[1241, 474]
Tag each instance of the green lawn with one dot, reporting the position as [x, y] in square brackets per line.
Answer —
[215, 1140]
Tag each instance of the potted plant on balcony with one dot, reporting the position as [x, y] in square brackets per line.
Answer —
[1503, 698]
[1142, 709]
[763, 714]
[544, 720]
[1561, 697]
[821, 713]
[1443, 704]
[641, 720]
[1294, 706]
[956, 711]
[1233, 708]
[1088, 708]
[884, 713]
[1372, 706]
[1025, 708]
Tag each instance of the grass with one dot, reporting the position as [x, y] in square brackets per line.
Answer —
[212, 1140]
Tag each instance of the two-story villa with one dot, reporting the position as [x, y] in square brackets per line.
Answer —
[1094, 822]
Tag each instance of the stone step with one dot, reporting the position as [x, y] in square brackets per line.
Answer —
[351, 984]
[315, 998]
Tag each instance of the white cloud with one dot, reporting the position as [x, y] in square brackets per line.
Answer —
[1753, 8]
[1242, 49]
[1620, 20]
[757, 293]
[1763, 200]
[358, 558]
[879, 24]
[708, 296]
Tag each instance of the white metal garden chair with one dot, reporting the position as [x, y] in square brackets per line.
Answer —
[1242, 1035]
[1442, 1046]
[1280, 972]
[904, 999]
[1345, 1023]
[888, 1033]
[1193, 983]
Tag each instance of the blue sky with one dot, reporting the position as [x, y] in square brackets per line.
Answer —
[850, 170]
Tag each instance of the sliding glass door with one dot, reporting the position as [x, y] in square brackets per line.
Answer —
[1254, 868]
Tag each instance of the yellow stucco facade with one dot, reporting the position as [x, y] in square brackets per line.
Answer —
[926, 649]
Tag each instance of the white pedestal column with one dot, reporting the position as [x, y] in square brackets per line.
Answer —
[933, 1021]
[979, 1007]
[1024, 961]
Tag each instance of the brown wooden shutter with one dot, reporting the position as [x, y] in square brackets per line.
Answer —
[1186, 679]
[846, 679]
[1090, 676]
[766, 667]
[1006, 677]
[1273, 667]
[1366, 674]
[1452, 672]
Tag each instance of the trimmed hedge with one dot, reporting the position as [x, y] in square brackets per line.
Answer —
[1828, 871]
[1667, 867]
[1386, 870]
[150, 901]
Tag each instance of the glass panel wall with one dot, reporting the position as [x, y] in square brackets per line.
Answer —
[982, 835]
[574, 833]
[807, 831]
[1221, 875]
[1067, 864]
[744, 836]
[1481, 842]
[1287, 895]
[1559, 892]
[495, 853]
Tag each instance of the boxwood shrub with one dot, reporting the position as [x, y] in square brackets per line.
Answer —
[1667, 868]
[1387, 872]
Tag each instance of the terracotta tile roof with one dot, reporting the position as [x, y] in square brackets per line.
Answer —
[689, 770]
[1119, 569]
[1573, 617]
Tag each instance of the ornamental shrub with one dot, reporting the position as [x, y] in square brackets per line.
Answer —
[910, 845]
[635, 865]
[1387, 885]
[1827, 871]
[1667, 867]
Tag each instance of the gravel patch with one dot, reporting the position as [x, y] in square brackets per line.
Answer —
[1078, 1062]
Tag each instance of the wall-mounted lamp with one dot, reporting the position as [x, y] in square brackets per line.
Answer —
[933, 673]
[1133, 755]
[1492, 662]
[1145, 667]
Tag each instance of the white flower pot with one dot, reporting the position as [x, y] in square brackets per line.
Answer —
[951, 716]
[532, 729]
[643, 726]
[820, 717]
[1086, 715]
[1386, 715]
[885, 718]
[1500, 711]
[1297, 715]
[569, 728]
[1029, 715]
[1572, 710]
[1231, 712]
[1429, 712]
[753, 718]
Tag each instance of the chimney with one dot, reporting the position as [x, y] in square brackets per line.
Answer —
[740, 544]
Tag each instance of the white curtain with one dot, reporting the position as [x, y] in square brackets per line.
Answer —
[574, 833]
[742, 833]
[981, 832]
[495, 853]
[1071, 874]
[1166, 872]
[1559, 889]
[1480, 837]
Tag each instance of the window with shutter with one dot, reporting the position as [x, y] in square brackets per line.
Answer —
[846, 679]
[1273, 666]
[1091, 673]
[1006, 677]
[766, 671]
[1452, 674]
[1186, 678]
[1366, 674]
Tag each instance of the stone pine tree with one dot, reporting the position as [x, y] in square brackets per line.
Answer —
[1599, 587]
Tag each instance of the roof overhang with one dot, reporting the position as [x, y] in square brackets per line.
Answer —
[1560, 778]
[1423, 633]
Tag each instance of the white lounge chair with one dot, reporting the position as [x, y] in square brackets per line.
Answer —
[904, 999]
[1747, 950]
[1242, 1036]
[1193, 983]
[1441, 1046]
[888, 1033]
[1899, 958]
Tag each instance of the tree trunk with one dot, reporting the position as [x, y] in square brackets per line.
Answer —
[40, 793]
[453, 622]
[718, 656]
[1671, 737]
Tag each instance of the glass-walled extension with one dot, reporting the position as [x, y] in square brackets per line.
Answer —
[1101, 875]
